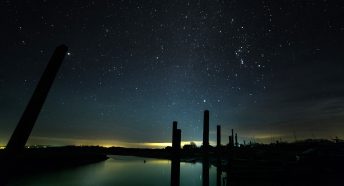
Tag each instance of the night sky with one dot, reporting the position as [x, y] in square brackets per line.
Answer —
[269, 69]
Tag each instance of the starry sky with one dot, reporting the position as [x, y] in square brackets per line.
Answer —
[269, 69]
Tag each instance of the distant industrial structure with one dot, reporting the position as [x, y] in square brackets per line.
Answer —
[176, 136]
[206, 150]
[218, 135]
[206, 131]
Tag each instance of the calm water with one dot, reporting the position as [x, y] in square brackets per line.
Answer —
[122, 171]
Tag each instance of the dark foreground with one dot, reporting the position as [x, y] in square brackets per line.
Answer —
[309, 162]
[38, 160]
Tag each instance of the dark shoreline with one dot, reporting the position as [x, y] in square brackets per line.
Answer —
[308, 160]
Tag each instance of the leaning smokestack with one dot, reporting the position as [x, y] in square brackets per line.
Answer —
[27, 121]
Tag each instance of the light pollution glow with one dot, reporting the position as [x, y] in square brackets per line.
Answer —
[37, 140]
[51, 141]
[262, 137]
[40, 140]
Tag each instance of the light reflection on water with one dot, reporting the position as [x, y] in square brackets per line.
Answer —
[122, 171]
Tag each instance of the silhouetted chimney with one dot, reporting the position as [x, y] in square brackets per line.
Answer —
[218, 132]
[232, 138]
[179, 138]
[206, 130]
[230, 141]
[236, 140]
[174, 135]
[27, 121]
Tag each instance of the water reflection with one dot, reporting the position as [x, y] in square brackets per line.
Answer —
[126, 171]
[218, 172]
[133, 171]
[205, 171]
[175, 172]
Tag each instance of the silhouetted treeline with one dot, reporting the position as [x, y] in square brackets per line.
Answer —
[281, 150]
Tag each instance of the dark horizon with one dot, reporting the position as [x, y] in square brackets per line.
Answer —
[269, 70]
